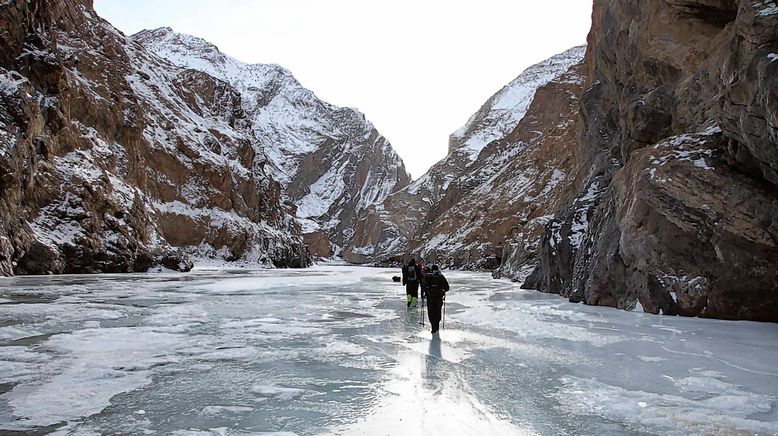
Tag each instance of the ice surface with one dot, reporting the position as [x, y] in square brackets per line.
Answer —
[333, 350]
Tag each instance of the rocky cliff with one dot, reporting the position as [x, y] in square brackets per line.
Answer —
[503, 176]
[677, 206]
[331, 162]
[113, 159]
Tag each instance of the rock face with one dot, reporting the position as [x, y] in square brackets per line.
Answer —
[504, 175]
[677, 204]
[331, 161]
[115, 160]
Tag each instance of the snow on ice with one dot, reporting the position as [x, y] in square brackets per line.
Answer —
[333, 350]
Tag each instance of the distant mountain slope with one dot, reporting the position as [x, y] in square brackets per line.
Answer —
[112, 159]
[462, 210]
[331, 161]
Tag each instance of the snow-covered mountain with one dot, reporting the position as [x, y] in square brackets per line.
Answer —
[113, 159]
[464, 208]
[500, 115]
[331, 161]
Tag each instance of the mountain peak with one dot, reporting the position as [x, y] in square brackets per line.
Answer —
[503, 111]
[188, 51]
[166, 36]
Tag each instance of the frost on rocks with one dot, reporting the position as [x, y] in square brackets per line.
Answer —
[765, 8]
[11, 83]
[323, 194]
[557, 177]
[583, 207]
[684, 147]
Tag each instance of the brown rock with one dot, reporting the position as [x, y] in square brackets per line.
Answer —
[678, 216]
[318, 244]
[115, 161]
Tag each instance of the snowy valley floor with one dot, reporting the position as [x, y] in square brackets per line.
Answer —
[333, 350]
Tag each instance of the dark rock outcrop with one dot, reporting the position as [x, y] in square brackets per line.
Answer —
[678, 207]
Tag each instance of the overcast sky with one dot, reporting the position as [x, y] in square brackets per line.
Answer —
[417, 68]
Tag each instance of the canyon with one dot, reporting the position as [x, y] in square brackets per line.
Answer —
[639, 171]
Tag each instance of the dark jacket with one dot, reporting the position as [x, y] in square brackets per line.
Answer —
[425, 272]
[436, 285]
[406, 272]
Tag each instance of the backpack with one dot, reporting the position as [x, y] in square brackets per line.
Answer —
[411, 276]
[434, 288]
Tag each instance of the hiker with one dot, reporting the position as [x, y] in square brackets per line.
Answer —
[436, 287]
[411, 277]
[424, 271]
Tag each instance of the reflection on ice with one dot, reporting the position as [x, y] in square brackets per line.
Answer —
[333, 350]
[423, 395]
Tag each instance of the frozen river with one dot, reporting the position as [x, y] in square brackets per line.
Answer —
[333, 350]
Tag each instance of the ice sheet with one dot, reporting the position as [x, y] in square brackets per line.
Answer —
[334, 350]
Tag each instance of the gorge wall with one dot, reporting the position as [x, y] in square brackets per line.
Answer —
[111, 158]
[331, 162]
[679, 147]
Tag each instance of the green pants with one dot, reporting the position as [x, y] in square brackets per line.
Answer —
[412, 292]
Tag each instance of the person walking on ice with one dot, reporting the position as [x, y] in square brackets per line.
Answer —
[436, 286]
[411, 277]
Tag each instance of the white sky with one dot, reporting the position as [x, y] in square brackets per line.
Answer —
[417, 68]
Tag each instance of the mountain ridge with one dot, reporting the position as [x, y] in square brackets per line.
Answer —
[302, 136]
